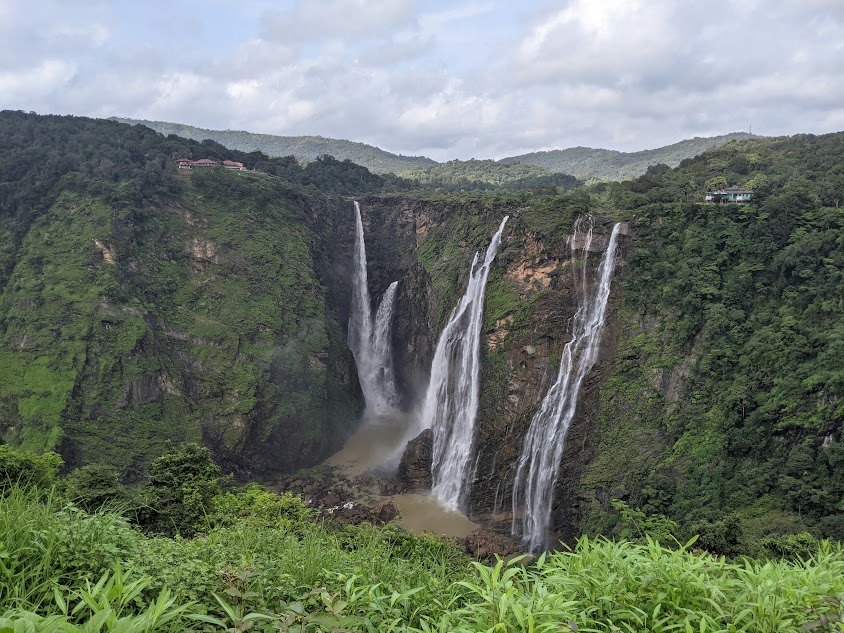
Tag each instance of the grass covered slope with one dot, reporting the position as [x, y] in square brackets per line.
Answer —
[138, 305]
[725, 408]
[263, 565]
[181, 554]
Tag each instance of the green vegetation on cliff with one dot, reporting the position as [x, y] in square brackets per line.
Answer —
[138, 304]
[727, 397]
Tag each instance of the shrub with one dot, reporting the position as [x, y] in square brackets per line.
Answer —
[177, 497]
[94, 486]
[27, 469]
[259, 507]
[792, 546]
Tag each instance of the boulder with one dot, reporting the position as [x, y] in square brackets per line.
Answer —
[414, 472]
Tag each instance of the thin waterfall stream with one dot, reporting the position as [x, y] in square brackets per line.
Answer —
[538, 466]
[370, 339]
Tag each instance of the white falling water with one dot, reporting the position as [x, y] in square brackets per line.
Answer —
[539, 463]
[382, 350]
[451, 401]
[370, 340]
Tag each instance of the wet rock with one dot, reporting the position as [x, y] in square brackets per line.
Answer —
[414, 472]
[389, 487]
[376, 513]
[485, 544]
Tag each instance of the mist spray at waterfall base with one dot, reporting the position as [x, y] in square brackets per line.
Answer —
[539, 463]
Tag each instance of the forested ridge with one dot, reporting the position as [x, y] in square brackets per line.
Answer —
[534, 169]
[304, 148]
[487, 174]
[588, 163]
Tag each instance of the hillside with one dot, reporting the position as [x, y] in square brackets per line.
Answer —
[604, 164]
[304, 148]
[140, 305]
[724, 406]
[583, 163]
[486, 174]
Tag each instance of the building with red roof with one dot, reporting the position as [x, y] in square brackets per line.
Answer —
[187, 163]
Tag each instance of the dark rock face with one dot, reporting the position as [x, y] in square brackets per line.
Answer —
[414, 472]
[139, 391]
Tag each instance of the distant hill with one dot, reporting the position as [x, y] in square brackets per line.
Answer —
[461, 174]
[587, 163]
[306, 148]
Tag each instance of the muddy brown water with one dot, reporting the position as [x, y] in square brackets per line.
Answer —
[376, 446]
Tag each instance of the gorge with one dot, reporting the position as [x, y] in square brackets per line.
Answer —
[141, 306]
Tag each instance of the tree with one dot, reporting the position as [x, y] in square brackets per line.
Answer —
[718, 182]
[26, 469]
[178, 495]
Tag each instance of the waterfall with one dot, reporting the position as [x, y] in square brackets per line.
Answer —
[539, 463]
[451, 401]
[382, 348]
[370, 340]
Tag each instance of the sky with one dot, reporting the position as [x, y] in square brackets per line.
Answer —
[446, 79]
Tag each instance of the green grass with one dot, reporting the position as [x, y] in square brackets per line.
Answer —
[62, 569]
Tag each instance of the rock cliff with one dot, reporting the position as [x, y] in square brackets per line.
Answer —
[427, 246]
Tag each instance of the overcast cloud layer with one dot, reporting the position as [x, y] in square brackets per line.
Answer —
[458, 79]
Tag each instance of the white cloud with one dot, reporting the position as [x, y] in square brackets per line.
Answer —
[31, 85]
[396, 50]
[253, 58]
[481, 78]
[96, 34]
[343, 19]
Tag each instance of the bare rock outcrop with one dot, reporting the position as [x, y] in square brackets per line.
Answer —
[414, 472]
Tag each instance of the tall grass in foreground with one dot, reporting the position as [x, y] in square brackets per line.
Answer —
[62, 569]
[45, 544]
[621, 586]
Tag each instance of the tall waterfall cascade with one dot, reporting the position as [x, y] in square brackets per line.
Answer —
[451, 400]
[538, 466]
[370, 338]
